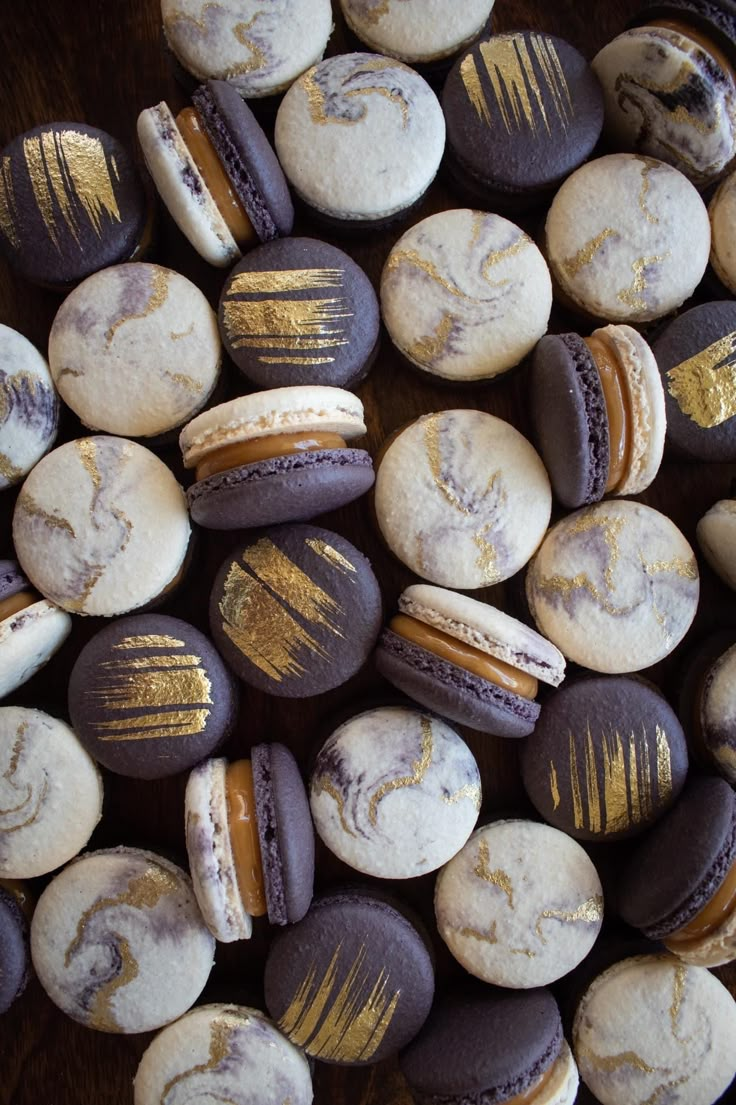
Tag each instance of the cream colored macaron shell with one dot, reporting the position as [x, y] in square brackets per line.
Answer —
[29, 407]
[416, 30]
[28, 640]
[716, 533]
[722, 212]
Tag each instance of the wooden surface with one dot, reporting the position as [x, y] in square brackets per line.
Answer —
[101, 62]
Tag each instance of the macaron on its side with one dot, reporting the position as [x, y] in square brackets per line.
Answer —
[29, 407]
[717, 714]
[32, 629]
[15, 960]
[722, 213]
[716, 534]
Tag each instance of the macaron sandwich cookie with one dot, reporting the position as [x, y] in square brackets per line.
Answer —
[295, 610]
[679, 886]
[598, 412]
[395, 793]
[149, 696]
[465, 295]
[71, 203]
[134, 350]
[353, 981]
[722, 214]
[216, 173]
[462, 498]
[275, 456]
[250, 841]
[15, 954]
[707, 703]
[297, 311]
[118, 942]
[360, 138]
[29, 407]
[101, 526]
[32, 629]
[419, 32]
[627, 239]
[523, 110]
[467, 660]
[716, 534]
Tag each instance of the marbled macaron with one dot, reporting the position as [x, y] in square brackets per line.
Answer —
[465, 295]
[101, 526]
[462, 498]
[134, 350]
[118, 942]
[615, 586]
[15, 953]
[32, 629]
[419, 32]
[707, 703]
[716, 534]
[50, 793]
[29, 407]
[395, 793]
[722, 213]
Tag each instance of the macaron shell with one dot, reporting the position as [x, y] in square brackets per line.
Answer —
[14, 952]
[28, 640]
[29, 407]
[716, 534]
[416, 31]
[722, 212]
[718, 714]
[562, 1088]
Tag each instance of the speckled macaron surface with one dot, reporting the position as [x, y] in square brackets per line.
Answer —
[29, 407]
[31, 635]
[520, 905]
[628, 238]
[101, 526]
[416, 31]
[722, 212]
[50, 793]
[259, 49]
[465, 295]
[360, 137]
[615, 586]
[462, 498]
[395, 793]
[222, 1053]
[134, 350]
[716, 533]
[650, 1027]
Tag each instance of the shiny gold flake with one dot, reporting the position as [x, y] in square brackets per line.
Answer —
[573, 266]
[323, 784]
[704, 386]
[419, 769]
[332, 556]
[590, 912]
[496, 877]
[284, 280]
[8, 209]
[517, 94]
[158, 295]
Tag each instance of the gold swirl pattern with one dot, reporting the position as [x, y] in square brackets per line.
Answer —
[327, 105]
[419, 769]
[222, 1030]
[158, 295]
[257, 58]
[30, 805]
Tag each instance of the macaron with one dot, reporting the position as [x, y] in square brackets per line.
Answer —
[696, 354]
[627, 239]
[419, 32]
[50, 793]
[101, 526]
[257, 51]
[467, 660]
[150, 696]
[352, 982]
[679, 886]
[522, 110]
[250, 841]
[118, 942]
[360, 138]
[395, 793]
[295, 611]
[490, 1045]
[32, 629]
[607, 758]
[520, 906]
[297, 311]
[598, 412]
[29, 407]
[650, 1027]
[465, 295]
[134, 350]
[15, 955]
[461, 498]
[223, 1053]
[716, 535]
[71, 203]
[615, 586]
[722, 213]
[275, 456]
[216, 173]
[707, 703]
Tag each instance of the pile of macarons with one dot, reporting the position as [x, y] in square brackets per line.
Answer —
[489, 850]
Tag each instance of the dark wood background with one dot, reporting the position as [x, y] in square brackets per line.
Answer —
[101, 62]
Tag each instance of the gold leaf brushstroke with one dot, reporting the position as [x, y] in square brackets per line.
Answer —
[159, 293]
[497, 877]
[8, 470]
[258, 58]
[649, 164]
[426, 349]
[150, 640]
[553, 785]
[87, 450]
[284, 280]
[608, 1064]
[289, 583]
[591, 911]
[419, 769]
[8, 208]
[183, 723]
[514, 83]
[332, 556]
[170, 686]
[686, 569]
[194, 387]
[678, 992]
[633, 295]
[573, 266]
[32, 509]
[704, 385]
[474, 89]
[152, 662]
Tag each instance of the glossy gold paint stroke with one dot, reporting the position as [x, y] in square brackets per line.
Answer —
[159, 293]
[179, 723]
[8, 208]
[266, 320]
[497, 877]
[180, 660]
[332, 556]
[608, 1064]
[293, 586]
[419, 768]
[514, 82]
[324, 784]
[573, 266]
[318, 104]
[589, 912]
[549, 60]
[87, 450]
[284, 280]
[469, 790]
[101, 1014]
[222, 1028]
[150, 640]
[296, 360]
[258, 58]
[704, 385]
[554, 785]
[136, 688]
[474, 89]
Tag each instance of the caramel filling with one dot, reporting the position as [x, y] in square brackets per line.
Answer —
[264, 448]
[718, 909]
[215, 177]
[465, 656]
[702, 39]
[530, 1096]
[241, 819]
[16, 603]
[618, 409]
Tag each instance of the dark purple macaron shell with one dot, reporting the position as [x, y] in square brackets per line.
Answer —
[310, 297]
[291, 488]
[12, 580]
[75, 203]
[380, 972]
[607, 758]
[569, 418]
[453, 691]
[285, 833]
[714, 18]
[295, 610]
[501, 151]
[696, 355]
[682, 862]
[149, 696]
[15, 959]
[483, 1045]
[248, 158]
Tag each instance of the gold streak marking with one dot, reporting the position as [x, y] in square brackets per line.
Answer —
[292, 585]
[8, 470]
[150, 640]
[572, 266]
[471, 80]
[182, 380]
[677, 996]
[321, 110]
[15, 755]
[399, 257]
[591, 911]
[87, 450]
[376, 13]
[577, 802]
[632, 296]
[297, 360]
[183, 661]
[258, 59]
[31, 508]
[331, 555]
[183, 334]
[686, 569]
[285, 341]
[470, 790]
[157, 297]
[285, 280]
[221, 1029]
[549, 60]
[523, 951]
[278, 322]
[649, 164]
[427, 349]
[553, 785]
[615, 787]
[511, 72]
[704, 386]
[37, 175]
[170, 686]
[171, 724]
[8, 209]
[591, 780]
[498, 877]
[324, 783]
[419, 769]
[664, 767]
[487, 937]
[611, 1063]
[101, 1015]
